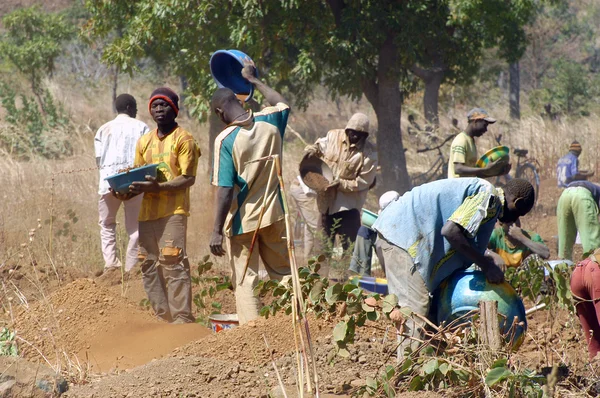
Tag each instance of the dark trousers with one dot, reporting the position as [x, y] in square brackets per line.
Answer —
[343, 223]
[363, 251]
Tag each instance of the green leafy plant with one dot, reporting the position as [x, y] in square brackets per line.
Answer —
[32, 133]
[209, 286]
[525, 383]
[325, 299]
[530, 282]
[145, 304]
[8, 346]
[66, 228]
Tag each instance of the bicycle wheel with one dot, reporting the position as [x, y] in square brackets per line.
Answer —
[528, 172]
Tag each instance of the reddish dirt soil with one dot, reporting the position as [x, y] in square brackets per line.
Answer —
[101, 320]
[84, 320]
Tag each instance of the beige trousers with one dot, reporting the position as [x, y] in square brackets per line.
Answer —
[271, 247]
[108, 207]
[165, 267]
[307, 205]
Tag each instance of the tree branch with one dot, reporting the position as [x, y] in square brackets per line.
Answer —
[371, 90]
[419, 72]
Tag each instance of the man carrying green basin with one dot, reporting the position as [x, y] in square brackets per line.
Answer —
[438, 228]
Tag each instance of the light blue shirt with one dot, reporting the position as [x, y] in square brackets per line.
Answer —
[566, 169]
[414, 223]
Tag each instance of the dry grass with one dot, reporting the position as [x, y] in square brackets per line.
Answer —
[31, 196]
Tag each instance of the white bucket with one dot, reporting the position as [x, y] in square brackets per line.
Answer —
[220, 322]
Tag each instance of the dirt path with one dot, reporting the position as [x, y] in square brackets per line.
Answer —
[84, 320]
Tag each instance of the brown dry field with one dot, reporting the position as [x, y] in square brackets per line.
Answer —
[96, 330]
[98, 335]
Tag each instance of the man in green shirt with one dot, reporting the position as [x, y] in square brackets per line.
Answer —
[463, 151]
[514, 244]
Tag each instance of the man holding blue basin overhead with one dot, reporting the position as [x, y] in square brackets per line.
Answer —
[248, 195]
[441, 227]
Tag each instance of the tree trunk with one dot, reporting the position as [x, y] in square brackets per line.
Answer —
[386, 99]
[115, 86]
[184, 86]
[432, 77]
[514, 90]
[431, 97]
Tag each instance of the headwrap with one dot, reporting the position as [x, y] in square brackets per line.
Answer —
[165, 93]
[358, 122]
[575, 146]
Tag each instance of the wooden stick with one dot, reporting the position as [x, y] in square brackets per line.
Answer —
[260, 217]
[296, 278]
[535, 308]
[295, 327]
[275, 368]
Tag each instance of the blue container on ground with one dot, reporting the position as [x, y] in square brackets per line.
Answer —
[374, 285]
[120, 182]
[226, 68]
[461, 293]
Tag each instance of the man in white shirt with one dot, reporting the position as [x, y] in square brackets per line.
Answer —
[114, 145]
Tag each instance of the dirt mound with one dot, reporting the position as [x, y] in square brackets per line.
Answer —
[89, 322]
[246, 345]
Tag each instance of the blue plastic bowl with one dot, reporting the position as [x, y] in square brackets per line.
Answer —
[120, 182]
[372, 284]
[461, 293]
[226, 68]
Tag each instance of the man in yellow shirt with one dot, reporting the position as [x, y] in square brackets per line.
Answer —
[463, 151]
[165, 209]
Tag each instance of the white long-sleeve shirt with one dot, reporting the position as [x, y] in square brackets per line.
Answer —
[114, 144]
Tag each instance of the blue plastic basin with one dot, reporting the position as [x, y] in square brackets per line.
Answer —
[372, 284]
[120, 182]
[226, 68]
[462, 291]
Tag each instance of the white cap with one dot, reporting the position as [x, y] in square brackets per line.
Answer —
[387, 198]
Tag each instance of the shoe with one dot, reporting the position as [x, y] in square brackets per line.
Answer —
[111, 276]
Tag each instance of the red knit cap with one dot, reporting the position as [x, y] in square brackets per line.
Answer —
[165, 93]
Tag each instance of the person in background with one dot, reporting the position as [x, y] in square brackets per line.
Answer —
[243, 187]
[577, 211]
[567, 169]
[114, 145]
[441, 227]
[365, 241]
[585, 287]
[463, 151]
[306, 201]
[166, 208]
[514, 244]
[353, 161]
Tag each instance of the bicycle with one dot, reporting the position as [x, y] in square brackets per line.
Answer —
[525, 169]
[439, 168]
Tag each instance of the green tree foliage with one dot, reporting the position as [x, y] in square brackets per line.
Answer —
[569, 87]
[32, 42]
[354, 47]
[452, 35]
